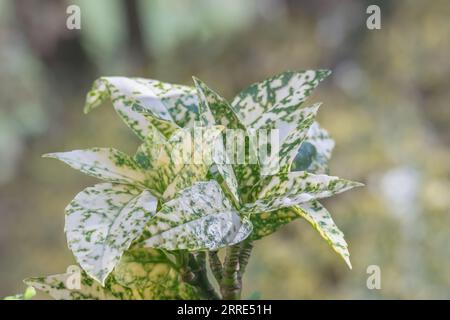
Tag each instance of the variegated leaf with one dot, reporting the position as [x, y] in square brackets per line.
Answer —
[199, 218]
[315, 151]
[104, 163]
[289, 88]
[29, 293]
[150, 274]
[321, 220]
[187, 158]
[223, 172]
[174, 164]
[248, 173]
[216, 110]
[244, 231]
[266, 223]
[120, 91]
[143, 103]
[292, 134]
[101, 223]
[288, 189]
[149, 151]
[189, 174]
[57, 287]
[141, 274]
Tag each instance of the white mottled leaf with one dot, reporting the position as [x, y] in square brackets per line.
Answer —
[275, 103]
[321, 220]
[186, 158]
[244, 231]
[174, 164]
[199, 218]
[29, 293]
[225, 172]
[292, 133]
[289, 88]
[150, 275]
[103, 163]
[214, 109]
[101, 223]
[143, 103]
[140, 274]
[315, 151]
[266, 223]
[288, 189]
[149, 151]
[57, 287]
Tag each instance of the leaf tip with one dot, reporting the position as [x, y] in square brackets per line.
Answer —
[348, 262]
[86, 109]
[324, 73]
[358, 184]
[49, 155]
[316, 106]
[197, 81]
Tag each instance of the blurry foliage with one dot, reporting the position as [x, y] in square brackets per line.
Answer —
[29, 293]
[386, 107]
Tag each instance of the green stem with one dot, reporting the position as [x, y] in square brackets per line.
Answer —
[216, 265]
[244, 257]
[230, 285]
[198, 276]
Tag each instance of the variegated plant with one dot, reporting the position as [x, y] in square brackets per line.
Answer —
[146, 232]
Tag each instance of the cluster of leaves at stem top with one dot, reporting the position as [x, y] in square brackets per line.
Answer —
[138, 233]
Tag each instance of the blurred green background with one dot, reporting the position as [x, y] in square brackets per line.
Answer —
[386, 105]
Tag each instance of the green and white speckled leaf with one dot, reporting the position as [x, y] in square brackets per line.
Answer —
[199, 218]
[248, 173]
[315, 151]
[173, 155]
[29, 293]
[151, 276]
[288, 189]
[56, 287]
[148, 152]
[174, 164]
[104, 163]
[215, 110]
[266, 223]
[247, 176]
[143, 103]
[140, 274]
[289, 88]
[275, 103]
[186, 158]
[292, 132]
[101, 223]
[244, 231]
[224, 173]
[321, 220]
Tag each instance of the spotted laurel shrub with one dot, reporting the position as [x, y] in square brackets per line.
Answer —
[150, 228]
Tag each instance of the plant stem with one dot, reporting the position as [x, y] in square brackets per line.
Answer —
[216, 265]
[199, 276]
[230, 285]
[246, 251]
